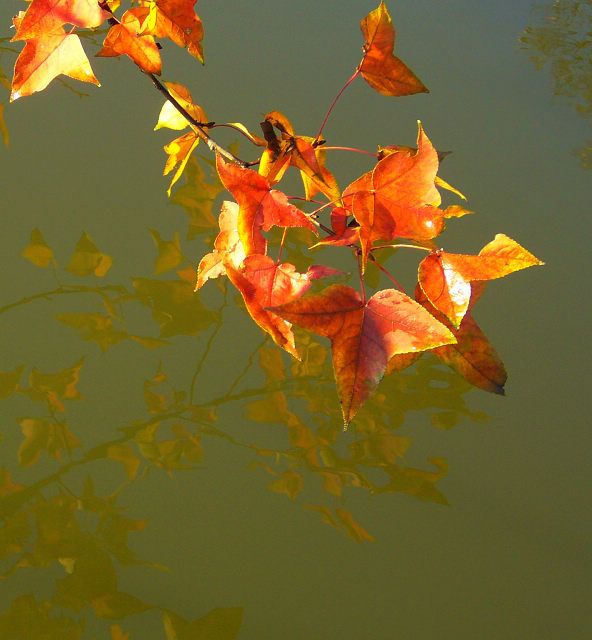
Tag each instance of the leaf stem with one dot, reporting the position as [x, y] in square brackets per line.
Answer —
[345, 86]
[368, 153]
[195, 125]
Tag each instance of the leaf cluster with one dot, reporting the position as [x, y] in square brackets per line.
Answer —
[395, 204]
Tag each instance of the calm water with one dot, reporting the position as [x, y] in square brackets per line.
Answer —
[162, 462]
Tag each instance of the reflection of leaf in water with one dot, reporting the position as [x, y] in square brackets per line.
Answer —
[343, 520]
[88, 259]
[169, 252]
[38, 252]
[222, 623]
[32, 620]
[197, 196]
[9, 381]
[93, 326]
[175, 307]
[289, 482]
[562, 39]
[44, 435]
[51, 387]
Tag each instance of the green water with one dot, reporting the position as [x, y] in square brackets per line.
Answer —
[179, 468]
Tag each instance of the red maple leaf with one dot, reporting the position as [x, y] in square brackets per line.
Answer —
[260, 206]
[381, 69]
[398, 198]
[365, 335]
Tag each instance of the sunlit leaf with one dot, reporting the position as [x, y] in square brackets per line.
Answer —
[179, 151]
[170, 116]
[445, 277]
[175, 19]
[472, 356]
[125, 38]
[260, 207]
[364, 337]
[37, 251]
[398, 198]
[87, 259]
[381, 69]
[46, 57]
[47, 16]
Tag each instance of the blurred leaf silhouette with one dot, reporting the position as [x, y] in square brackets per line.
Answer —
[562, 39]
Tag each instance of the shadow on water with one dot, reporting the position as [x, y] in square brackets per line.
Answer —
[62, 502]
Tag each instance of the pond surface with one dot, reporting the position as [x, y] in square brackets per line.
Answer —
[167, 472]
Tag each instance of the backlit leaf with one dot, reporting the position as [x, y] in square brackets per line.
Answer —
[364, 337]
[398, 198]
[445, 277]
[381, 69]
[260, 207]
[47, 16]
[175, 19]
[170, 117]
[46, 57]
[472, 356]
[264, 284]
[124, 38]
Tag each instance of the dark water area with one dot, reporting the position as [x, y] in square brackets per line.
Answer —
[167, 472]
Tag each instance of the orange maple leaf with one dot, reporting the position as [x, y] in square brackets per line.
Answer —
[365, 336]
[445, 277]
[124, 38]
[472, 356]
[48, 56]
[298, 151]
[381, 69]
[260, 206]
[398, 198]
[264, 284]
[45, 17]
[174, 19]
[228, 248]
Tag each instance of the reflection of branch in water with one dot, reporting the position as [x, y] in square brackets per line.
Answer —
[563, 39]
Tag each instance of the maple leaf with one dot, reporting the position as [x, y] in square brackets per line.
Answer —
[179, 151]
[125, 38]
[48, 56]
[472, 356]
[260, 206]
[264, 284]
[227, 247]
[174, 19]
[170, 117]
[45, 17]
[298, 151]
[365, 336]
[398, 198]
[445, 277]
[381, 69]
